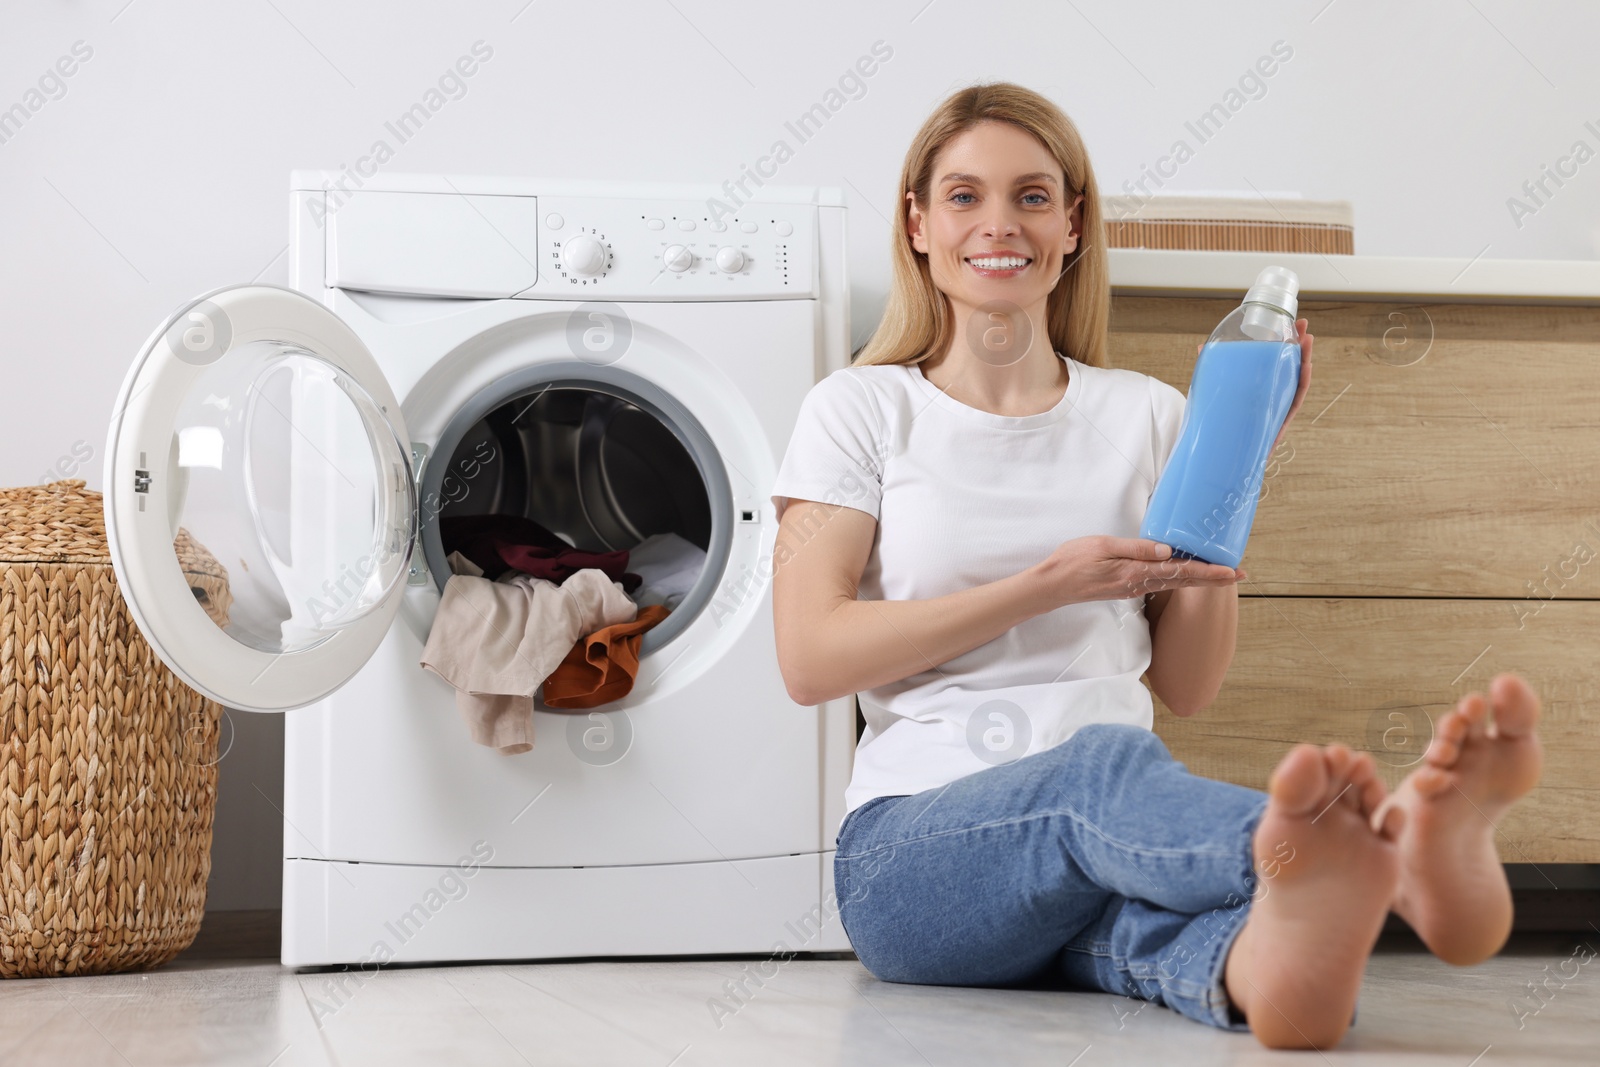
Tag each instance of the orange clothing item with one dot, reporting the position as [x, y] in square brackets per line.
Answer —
[602, 667]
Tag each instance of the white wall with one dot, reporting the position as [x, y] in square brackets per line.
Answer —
[161, 169]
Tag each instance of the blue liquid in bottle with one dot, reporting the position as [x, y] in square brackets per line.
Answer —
[1243, 385]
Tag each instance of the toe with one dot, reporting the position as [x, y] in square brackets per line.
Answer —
[1475, 709]
[1341, 760]
[1388, 818]
[1358, 776]
[1370, 788]
[1454, 729]
[1516, 705]
[1299, 780]
[1431, 781]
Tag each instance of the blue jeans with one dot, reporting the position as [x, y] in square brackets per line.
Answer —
[1101, 863]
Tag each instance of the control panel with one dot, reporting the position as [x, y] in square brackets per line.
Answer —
[674, 250]
[535, 247]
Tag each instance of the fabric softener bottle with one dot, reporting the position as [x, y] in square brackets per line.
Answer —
[1243, 385]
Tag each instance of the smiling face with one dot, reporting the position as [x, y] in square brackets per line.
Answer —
[999, 221]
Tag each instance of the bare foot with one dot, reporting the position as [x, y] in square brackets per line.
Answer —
[1453, 889]
[1295, 969]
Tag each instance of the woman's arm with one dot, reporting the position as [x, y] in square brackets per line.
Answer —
[831, 644]
[1192, 632]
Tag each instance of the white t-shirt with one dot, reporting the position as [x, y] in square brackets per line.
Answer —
[964, 497]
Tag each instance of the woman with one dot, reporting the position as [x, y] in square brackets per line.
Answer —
[962, 554]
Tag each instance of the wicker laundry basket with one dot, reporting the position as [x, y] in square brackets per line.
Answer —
[108, 769]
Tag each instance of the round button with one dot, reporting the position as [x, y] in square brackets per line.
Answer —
[686, 224]
[655, 224]
[677, 259]
[716, 227]
[554, 221]
[748, 227]
[584, 254]
[730, 260]
[784, 229]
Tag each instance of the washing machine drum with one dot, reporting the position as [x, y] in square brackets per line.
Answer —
[597, 469]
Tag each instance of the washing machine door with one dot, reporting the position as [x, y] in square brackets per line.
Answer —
[260, 505]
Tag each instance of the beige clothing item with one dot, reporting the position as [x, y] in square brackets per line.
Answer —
[496, 643]
[460, 564]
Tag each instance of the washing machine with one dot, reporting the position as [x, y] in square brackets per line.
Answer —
[614, 361]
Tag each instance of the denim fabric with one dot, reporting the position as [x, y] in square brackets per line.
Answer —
[1101, 863]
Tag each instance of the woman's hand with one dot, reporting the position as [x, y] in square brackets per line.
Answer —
[1306, 340]
[1117, 568]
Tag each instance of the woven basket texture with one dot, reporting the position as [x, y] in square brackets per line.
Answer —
[1231, 235]
[108, 771]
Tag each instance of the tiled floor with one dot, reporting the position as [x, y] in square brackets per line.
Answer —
[1414, 1011]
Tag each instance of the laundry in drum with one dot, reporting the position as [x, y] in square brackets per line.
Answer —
[496, 643]
[669, 565]
[460, 564]
[602, 667]
[501, 543]
[502, 633]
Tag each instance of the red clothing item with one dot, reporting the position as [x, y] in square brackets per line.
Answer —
[602, 667]
[498, 543]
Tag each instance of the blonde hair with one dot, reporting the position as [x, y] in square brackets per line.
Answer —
[918, 321]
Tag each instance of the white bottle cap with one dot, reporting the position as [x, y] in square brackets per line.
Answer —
[1277, 287]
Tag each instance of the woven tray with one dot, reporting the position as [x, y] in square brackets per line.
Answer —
[108, 777]
[1230, 224]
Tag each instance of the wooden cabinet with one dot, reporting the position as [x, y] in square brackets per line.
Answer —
[1432, 519]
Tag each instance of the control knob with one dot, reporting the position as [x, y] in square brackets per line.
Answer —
[677, 259]
[584, 254]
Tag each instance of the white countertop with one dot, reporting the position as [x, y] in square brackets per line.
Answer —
[1165, 272]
